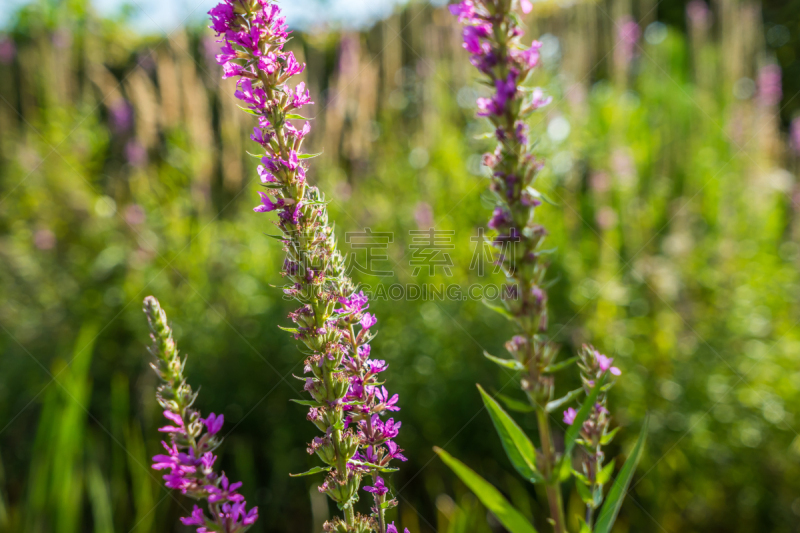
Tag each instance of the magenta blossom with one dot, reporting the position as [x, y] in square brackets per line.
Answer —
[605, 364]
[379, 488]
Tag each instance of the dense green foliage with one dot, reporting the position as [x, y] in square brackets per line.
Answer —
[676, 252]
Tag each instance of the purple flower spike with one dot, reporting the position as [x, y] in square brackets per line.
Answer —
[338, 367]
[190, 462]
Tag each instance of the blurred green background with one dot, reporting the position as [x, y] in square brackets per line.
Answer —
[673, 163]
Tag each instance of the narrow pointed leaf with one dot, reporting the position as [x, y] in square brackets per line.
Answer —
[315, 470]
[574, 430]
[308, 156]
[608, 514]
[518, 446]
[489, 496]
[549, 369]
[310, 403]
[568, 397]
[513, 364]
[516, 405]
[499, 309]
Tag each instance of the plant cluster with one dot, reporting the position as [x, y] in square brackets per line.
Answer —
[348, 402]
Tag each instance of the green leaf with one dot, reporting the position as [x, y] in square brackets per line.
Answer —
[513, 364]
[489, 496]
[290, 330]
[516, 405]
[292, 116]
[584, 492]
[248, 110]
[568, 397]
[374, 466]
[315, 470]
[549, 369]
[308, 156]
[499, 309]
[608, 514]
[310, 403]
[574, 430]
[605, 474]
[518, 446]
[609, 436]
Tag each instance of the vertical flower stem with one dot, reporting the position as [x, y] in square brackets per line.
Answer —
[551, 476]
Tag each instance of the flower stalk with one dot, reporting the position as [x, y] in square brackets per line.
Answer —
[190, 454]
[492, 36]
[348, 400]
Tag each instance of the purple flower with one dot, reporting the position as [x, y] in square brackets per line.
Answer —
[121, 116]
[380, 488]
[538, 99]
[8, 50]
[376, 366]
[300, 96]
[605, 364]
[794, 132]
[386, 403]
[465, 11]
[226, 493]
[500, 218]
[221, 17]
[267, 204]
[769, 85]
[177, 420]
[698, 13]
[135, 153]
[394, 451]
[353, 305]
[368, 320]
[197, 518]
[214, 423]
[569, 416]
[392, 529]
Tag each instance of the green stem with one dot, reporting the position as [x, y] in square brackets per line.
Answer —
[350, 515]
[553, 486]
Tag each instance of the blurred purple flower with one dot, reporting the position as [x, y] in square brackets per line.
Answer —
[794, 134]
[628, 34]
[44, 239]
[423, 215]
[698, 13]
[120, 116]
[769, 85]
[135, 215]
[8, 50]
[135, 153]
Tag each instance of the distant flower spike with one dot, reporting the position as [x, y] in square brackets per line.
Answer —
[190, 459]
